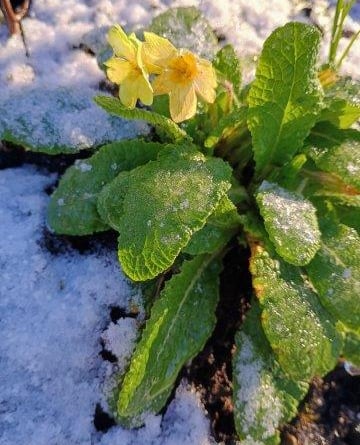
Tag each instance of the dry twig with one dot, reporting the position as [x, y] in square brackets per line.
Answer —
[13, 16]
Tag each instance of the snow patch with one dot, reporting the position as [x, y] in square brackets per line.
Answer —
[119, 338]
[259, 406]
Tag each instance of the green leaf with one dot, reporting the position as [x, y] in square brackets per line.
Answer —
[110, 203]
[300, 332]
[220, 227]
[350, 216]
[335, 272]
[336, 151]
[342, 103]
[186, 28]
[289, 176]
[351, 350]
[347, 207]
[227, 63]
[348, 211]
[162, 204]
[114, 106]
[291, 223]
[181, 321]
[228, 125]
[341, 113]
[72, 209]
[264, 396]
[284, 99]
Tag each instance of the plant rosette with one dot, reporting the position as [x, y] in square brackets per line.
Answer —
[275, 163]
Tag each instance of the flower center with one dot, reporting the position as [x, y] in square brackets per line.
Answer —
[183, 68]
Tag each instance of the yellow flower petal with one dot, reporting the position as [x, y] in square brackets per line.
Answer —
[162, 84]
[182, 103]
[118, 69]
[205, 81]
[134, 88]
[145, 91]
[121, 44]
[157, 52]
[128, 94]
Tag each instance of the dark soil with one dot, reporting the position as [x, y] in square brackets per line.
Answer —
[211, 370]
[330, 414]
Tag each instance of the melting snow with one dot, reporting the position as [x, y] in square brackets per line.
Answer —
[54, 312]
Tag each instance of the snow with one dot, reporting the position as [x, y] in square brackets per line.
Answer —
[120, 337]
[54, 314]
[256, 396]
[55, 307]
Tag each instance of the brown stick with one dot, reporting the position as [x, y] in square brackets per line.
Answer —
[12, 17]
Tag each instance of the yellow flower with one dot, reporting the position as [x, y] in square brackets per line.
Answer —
[182, 75]
[126, 68]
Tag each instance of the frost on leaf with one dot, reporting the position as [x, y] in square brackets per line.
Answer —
[284, 99]
[291, 223]
[181, 320]
[56, 120]
[165, 203]
[186, 28]
[264, 397]
[300, 331]
[72, 209]
[335, 272]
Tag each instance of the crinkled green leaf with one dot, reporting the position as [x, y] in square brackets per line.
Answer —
[284, 99]
[186, 28]
[300, 331]
[336, 151]
[335, 272]
[342, 103]
[227, 63]
[221, 225]
[163, 204]
[181, 321]
[264, 396]
[291, 223]
[114, 106]
[72, 209]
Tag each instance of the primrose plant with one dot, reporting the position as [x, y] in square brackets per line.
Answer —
[275, 165]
